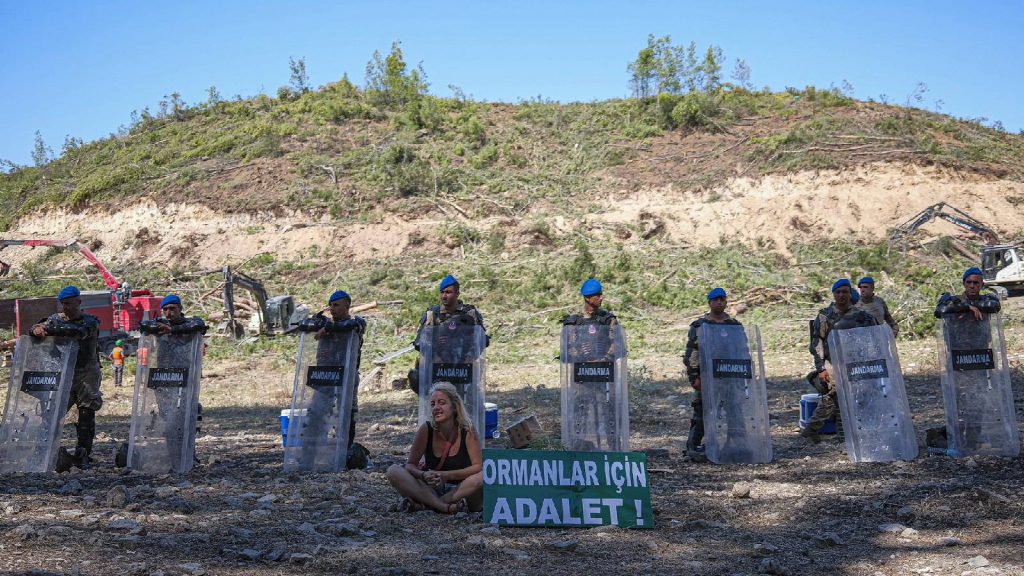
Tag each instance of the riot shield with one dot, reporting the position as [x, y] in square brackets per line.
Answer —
[976, 388]
[734, 395]
[595, 394]
[37, 400]
[454, 352]
[162, 438]
[872, 398]
[326, 377]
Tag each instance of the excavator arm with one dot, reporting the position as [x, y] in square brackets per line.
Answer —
[109, 279]
[948, 213]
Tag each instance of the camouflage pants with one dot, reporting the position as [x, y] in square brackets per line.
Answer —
[828, 408]
[85, 389]
[696, 436]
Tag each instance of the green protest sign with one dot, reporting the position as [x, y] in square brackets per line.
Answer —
[583, 489]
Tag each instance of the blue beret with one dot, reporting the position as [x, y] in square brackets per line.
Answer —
[170, 299]
[68, 292]
[840, 283]
[854, 295]
[590, 288]
[449, 280]
[866, 280]
[339, 295]
[973, 271]
[716, 293]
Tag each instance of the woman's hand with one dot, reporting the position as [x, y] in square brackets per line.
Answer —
[433, 478]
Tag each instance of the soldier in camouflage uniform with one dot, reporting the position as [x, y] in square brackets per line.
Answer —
[451, 309]
[597, 397]
[840, 315]
[971, 301]
[717, 302]
[874, 305]
[71, 322]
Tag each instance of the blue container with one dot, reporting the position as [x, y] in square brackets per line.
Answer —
[808, 402]
[491, 420]
[285, 417]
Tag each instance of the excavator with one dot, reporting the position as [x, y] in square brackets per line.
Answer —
[1001, 264]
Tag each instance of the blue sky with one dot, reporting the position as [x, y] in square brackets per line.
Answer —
[79, 68]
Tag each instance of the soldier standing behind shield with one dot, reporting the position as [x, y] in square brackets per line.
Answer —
[717, 302]
[594, 398]
[450, 309]
[341, 320]
[840, 315]
[972, 300]
[71, 322]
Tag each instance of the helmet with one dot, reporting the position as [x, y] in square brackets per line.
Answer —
[119, 343]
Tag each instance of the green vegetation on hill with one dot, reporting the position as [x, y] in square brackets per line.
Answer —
[345, 149]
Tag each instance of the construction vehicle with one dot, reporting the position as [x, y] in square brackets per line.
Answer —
[270, 316]
[1001, 264]
[119, 308]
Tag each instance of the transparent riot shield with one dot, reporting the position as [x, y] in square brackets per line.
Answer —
[326, 377]
[37, 400]
[595, 394]
[454, 352]
[872, 398]
[734, 395]
[162, 438]
[976, 388]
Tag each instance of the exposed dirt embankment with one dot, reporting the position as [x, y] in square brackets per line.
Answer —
[768, 212]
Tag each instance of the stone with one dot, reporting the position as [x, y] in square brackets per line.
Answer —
[71, 513]
[193, 568]
[24, 532]
[563, 545]
[133, 507]
[764, 549]
[241, 533]
[234, 502]
[950, 541]
[517, 554]
[89, 501]
[250, 554]
[905, 514]
[166, 491]
[340, 529]
[268, 498]
[491, 530]
[260, 513]
[117, 496]
[123, 524]
[298, 558]
[892, 528]
[276, 554]
[306, 528]
[978, 562]
[970, 463]
[72, 487]
[741, 490]
[771, 566]
[909, 533]
[830, 539]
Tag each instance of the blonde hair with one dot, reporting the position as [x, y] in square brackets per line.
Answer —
[461, 415]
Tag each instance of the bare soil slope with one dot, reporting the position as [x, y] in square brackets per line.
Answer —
[770, 212]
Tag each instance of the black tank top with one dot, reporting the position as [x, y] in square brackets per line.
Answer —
[457, 462]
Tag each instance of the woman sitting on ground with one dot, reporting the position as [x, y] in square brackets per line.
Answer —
[451, 481]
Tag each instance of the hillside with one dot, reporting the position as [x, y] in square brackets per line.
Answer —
[771, 195]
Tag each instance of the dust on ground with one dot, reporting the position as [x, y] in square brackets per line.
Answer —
[810, 511]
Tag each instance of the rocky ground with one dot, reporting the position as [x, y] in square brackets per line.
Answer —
[810, 511]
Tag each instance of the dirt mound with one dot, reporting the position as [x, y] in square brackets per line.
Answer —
[769, 213]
